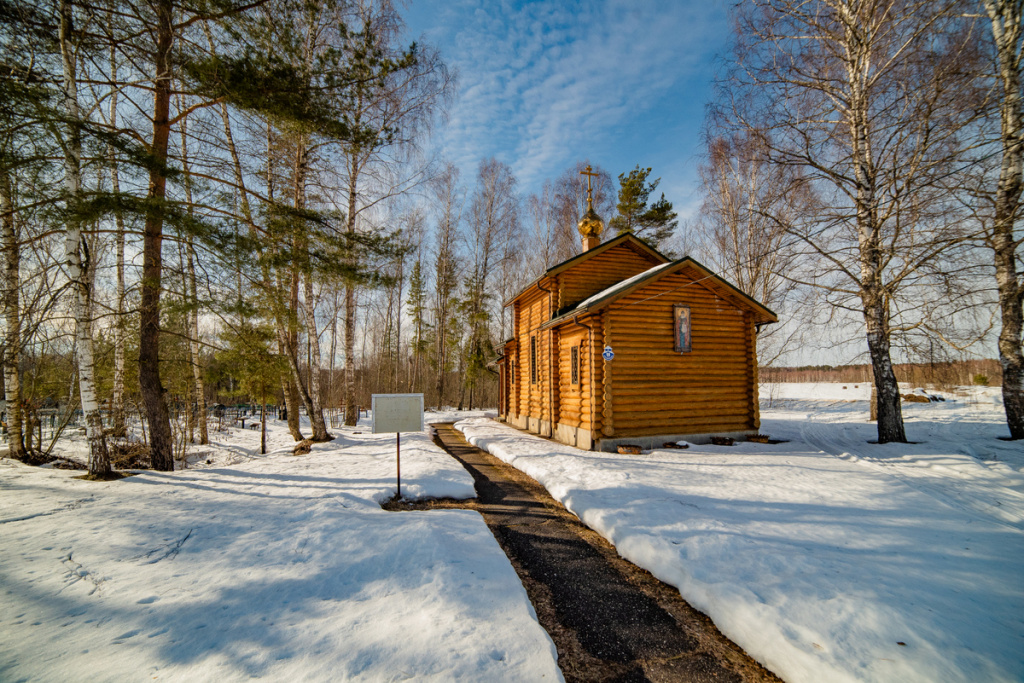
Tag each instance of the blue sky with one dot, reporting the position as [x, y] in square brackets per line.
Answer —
[544, 84]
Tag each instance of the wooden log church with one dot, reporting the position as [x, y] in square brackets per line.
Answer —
[621, 345]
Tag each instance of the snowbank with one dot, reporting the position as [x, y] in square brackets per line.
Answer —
[282, 567]
[826, 558]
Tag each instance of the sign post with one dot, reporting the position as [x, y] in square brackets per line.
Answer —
[397, 413]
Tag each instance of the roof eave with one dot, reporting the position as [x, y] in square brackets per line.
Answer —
[566, 317]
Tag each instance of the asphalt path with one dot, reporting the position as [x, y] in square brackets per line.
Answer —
[609, 620]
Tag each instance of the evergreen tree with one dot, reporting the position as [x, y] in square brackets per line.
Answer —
[248, 350]
[654, 223]
[448, 201]
[420, 328]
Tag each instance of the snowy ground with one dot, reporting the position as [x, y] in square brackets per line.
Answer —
[826, 558]
[233, 445]
[275, 566]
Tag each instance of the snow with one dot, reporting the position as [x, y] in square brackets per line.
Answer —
[275, 566]
[826, 558]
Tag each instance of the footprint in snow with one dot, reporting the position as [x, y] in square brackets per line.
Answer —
[126, 636]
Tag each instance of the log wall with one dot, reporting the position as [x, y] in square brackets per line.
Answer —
[574, 400]
[600, 272]
[532, 398]
[659, 391]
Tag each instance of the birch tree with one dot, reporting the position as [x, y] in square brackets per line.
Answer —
[1005, 17]
[570, 203]
[79, 264]
[749, 204]
[190, 293]
[16, 97]
[152, 38]
[865, 96]
[542, 232]
[10, 354]
[493, 240]
[394, 99]
[117, 400]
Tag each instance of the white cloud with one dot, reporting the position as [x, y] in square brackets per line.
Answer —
[545, 84]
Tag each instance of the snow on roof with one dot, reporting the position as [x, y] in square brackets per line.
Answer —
[619, 286]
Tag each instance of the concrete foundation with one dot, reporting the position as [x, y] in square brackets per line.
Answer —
[584, 438]
[574, 436]
[517, 421]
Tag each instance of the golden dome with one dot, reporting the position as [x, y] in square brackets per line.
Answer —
[591, 225]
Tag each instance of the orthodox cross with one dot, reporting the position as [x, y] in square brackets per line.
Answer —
[590, 225]
[590, 174]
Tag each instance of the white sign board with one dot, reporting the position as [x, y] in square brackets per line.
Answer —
[397, 413]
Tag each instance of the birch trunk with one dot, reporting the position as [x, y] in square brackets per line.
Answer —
[1006, 16]
[286, 345]
[275, 290]
[117, 407]
[318, 426]
[334, 350]
[887, 396]
[12, 316]
[398, 325]
[292, 351]
[311, 397]
[192, 296]
[291, 400]
[77, 266]
[316, 396]
[872, 293]
[351, 414]
[197, 371]
[263, 422]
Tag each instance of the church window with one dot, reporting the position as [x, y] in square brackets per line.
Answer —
[533, 360]
[681, 328]
[574, 364]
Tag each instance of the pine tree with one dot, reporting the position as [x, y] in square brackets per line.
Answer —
[448, 199]
[421, 329]
[654, 223]
[248, 352]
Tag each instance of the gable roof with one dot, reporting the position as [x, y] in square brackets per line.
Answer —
[762, 314]
[625, 238]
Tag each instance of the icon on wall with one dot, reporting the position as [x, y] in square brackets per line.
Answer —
[681, 316]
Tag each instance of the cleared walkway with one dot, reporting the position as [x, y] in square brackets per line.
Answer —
[610, 620]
